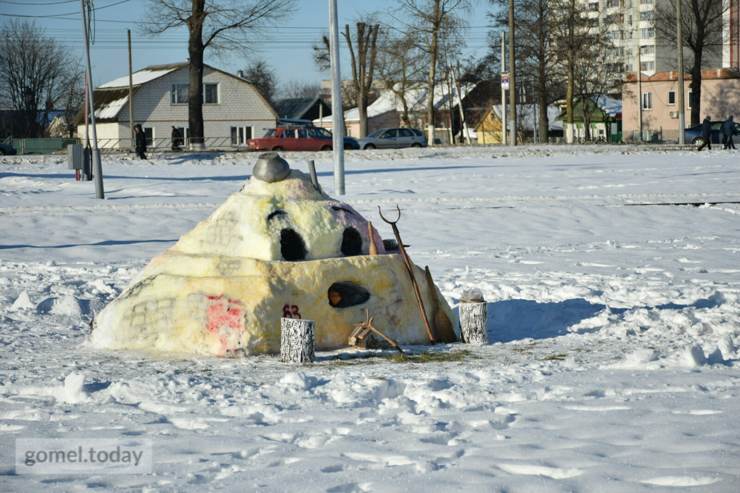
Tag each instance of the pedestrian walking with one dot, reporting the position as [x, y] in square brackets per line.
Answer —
[140, 141]
[728, 131]
[706, 134]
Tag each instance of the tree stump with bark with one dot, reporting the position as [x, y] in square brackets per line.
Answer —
[474, 319]
[296, 340]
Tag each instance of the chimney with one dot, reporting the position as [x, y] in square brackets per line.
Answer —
[240, 73]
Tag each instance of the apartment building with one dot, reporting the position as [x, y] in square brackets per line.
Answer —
[631, 25]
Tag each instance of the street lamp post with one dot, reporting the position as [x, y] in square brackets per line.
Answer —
[97, 166]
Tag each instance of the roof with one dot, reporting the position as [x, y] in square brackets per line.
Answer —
[108, 103]
[717, 73]
[293, 108]
[147, 74]
[111, 97]
[416, 98]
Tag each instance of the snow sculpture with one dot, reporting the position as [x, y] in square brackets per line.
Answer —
[277, 248]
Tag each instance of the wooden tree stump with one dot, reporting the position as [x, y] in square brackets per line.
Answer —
[473, 322]
[296, 340]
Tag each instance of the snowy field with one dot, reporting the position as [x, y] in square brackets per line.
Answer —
[614, 318]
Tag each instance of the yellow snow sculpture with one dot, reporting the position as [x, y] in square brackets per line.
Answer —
[277, 248]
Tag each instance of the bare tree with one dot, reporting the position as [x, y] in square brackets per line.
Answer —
[534, 51]
[701, 21]
[363, 52]
[36, 74]
[429, 18]
[295, 89]
[400, 66]
[574, 36]
[72, 100]
[363, 55]
[263, 77]
[593, 80]
[217, 24]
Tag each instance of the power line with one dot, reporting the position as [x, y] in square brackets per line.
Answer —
[38, 3]
[67, 14]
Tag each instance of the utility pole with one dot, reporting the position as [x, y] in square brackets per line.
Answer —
[639, 73]
[512, 74]
[503, 89]
[337, 115]
[130, 92]
[97, 166]
[679, 49]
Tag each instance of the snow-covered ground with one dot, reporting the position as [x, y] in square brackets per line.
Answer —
[615, 327]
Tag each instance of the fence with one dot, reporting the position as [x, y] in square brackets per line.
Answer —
[40, 145]
[165, 144]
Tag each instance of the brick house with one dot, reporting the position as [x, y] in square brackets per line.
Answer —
[720, 98]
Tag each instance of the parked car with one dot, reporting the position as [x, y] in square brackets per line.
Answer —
[7, 150]
[386, 138]
[694, 136]
[298, 138]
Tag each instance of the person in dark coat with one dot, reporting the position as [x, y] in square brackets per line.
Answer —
[728, 130]
[706, 134]
[140, 141]
[176, 139]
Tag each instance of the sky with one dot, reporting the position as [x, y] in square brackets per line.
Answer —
[287, 48]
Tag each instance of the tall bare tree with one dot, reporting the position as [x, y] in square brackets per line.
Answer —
[701, 21]
[363, 55]
[574, 36]
[534, 52]
[217, 24]
[593, 80]
[400, 66]
[363, 52]
[429, 19]
[36, 75]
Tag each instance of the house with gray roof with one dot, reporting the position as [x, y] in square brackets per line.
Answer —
[233, 110]
[307, 109]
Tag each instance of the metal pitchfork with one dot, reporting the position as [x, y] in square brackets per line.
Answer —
[410, 270]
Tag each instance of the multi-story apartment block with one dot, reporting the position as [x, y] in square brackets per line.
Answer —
[631, 25]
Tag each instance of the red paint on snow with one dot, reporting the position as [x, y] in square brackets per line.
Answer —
[225, 319]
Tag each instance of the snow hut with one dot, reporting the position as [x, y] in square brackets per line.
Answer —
[279, 247]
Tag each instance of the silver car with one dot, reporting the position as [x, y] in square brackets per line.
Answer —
[387, 138]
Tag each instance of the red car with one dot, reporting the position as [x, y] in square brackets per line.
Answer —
[297, 139]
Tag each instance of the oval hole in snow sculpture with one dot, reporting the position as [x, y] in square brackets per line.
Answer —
[291, 245]
[351, 242]
[346, 294]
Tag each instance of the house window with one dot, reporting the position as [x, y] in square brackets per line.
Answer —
[210, 93]
[671, 97]
[240, 135]
[647, 66]
[647, 101]
[149, 136]
[179, 94]
[647, 33]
